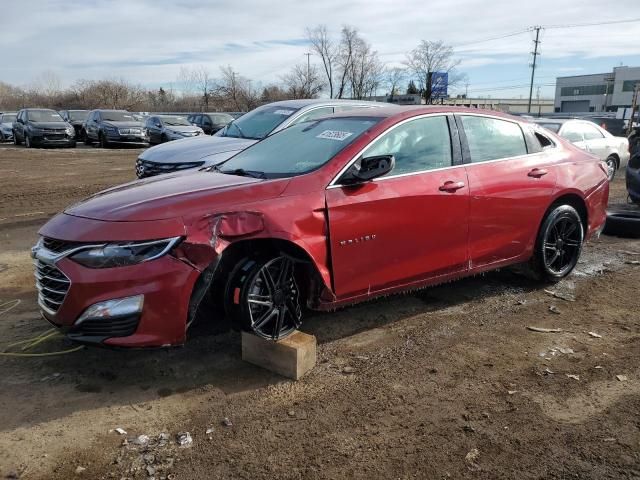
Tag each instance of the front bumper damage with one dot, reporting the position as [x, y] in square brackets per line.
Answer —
[165, 286]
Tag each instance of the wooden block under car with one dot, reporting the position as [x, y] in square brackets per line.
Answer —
[291, 357]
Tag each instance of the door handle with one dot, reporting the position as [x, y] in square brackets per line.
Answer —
[537, 172]
[450, 186]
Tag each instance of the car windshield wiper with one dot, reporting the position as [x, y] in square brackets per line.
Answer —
[243, 173]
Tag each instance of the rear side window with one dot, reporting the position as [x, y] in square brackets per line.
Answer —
[418, 145]
[492, 138]
[591, 132]
[572, 132]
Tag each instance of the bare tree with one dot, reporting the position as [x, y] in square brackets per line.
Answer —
[205, 84]
[303, 82]
[348, 40]
[427, 59]
[365, 69]
[326, 49]
[393, 77]
[236, 91]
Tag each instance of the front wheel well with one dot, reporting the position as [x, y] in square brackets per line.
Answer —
[207, 298]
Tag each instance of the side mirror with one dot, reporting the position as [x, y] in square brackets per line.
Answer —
[368, 168]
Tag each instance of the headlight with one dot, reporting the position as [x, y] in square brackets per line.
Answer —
[70, 131]
[36, 130]
[123, 254]
[110, 129]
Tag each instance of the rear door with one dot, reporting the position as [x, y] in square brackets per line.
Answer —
[408, 225]
[510, 187]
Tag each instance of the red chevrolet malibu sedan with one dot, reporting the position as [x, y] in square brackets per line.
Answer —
[325, 213]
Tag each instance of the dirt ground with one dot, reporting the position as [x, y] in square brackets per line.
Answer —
[443, 383]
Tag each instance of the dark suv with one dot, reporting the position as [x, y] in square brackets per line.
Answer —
[210, 123]
[76, 118]
[41, 127]
[110, 127]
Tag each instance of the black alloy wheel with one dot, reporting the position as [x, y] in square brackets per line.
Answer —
[15, 139]
[562, 237]
[263, 297]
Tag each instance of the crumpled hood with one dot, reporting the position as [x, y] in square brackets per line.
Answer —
[127, 124]
[194, 149]
[176, 195]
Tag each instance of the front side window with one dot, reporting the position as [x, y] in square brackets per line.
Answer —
[492, 138]
[591, 132]
[314, 144]
[417, 145]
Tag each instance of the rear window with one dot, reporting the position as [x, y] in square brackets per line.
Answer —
[554, 127]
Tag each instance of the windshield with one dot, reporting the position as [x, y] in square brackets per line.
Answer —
[118, 116]
[78, 115]
[175, 121]
[8, 117]
[258, 123]
[221, 118]
[300, 148]
[554, 127]
[44, 116]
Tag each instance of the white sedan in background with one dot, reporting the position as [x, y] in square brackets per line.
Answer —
[590, 137]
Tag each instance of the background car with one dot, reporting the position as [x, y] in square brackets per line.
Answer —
[6, 126]
[42, 127]
[210, 123]
[77, 119]
[240, 134]
[276, 228]
[110, 127]
[163, 128]
[590, 137]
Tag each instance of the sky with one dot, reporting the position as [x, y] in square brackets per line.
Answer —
[147, 41]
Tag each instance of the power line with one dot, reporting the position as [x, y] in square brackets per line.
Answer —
[489, 39]
[594, 24]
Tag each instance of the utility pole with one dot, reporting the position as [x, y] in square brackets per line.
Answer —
[535, 53]
[308, 82]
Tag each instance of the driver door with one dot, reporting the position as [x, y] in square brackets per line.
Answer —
[407, 226]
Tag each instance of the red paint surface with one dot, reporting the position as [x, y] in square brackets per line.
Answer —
[423, 234]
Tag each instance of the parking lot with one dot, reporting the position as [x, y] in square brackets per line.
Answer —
[446, 382]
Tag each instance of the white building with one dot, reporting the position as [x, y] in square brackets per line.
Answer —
[599, 92]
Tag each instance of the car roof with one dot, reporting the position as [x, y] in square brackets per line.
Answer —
[408, 111]
[300, 103]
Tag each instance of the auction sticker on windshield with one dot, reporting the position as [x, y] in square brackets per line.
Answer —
[335, 135]
[283, 112]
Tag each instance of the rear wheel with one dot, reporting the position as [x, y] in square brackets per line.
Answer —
[262, 297]
[558, 245]
[612, 166]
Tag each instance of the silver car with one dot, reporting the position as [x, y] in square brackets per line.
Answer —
[6, 126]
[243, 132]
[590, 137]
[164, 128]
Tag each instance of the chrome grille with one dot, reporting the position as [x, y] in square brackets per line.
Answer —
[145, 168]
[52, 286]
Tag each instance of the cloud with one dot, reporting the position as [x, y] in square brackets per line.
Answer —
[147, 41]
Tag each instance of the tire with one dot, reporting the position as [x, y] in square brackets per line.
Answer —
[15, 139]
[623, 222]
[27, 141]
[73, 145]
[102, 140]
[262, 297]
[163, 138]
[558, 245]
[2, 139]
[612, 167]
